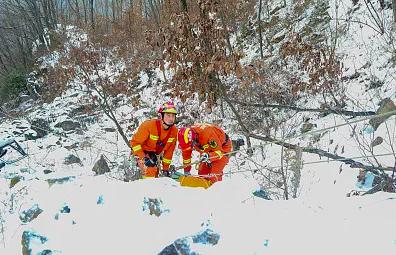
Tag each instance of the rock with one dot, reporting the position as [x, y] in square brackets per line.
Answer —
[385, 106]
[306, 127]
[65, 209]
[100, 200]
[41, 127]
[375, 84]
[154, 206]
[262, 194]
[236, 144]
[183, 245]
[71, 146]
[171, 250]
[30, 214]
[26, 170]
[71, 159]
[46, 252]
[32, 135]
[68, 125]
[206, 237]
[101, 166]
[17, 133]
[60, 180]
[131, 170]
[377, 141]
[15, 180]
[36, 239]
[355, 75]
[82, 109]
[110, 129]
[79, 132]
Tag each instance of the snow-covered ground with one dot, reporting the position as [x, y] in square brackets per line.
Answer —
[80, 213]
[100, 215]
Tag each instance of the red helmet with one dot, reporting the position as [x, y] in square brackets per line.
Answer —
[168, 107]
[186, 137]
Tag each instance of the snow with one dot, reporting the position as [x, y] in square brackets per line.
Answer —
[357, 225]
[87, 214]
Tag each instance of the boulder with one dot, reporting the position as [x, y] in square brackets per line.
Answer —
[71, 159]
[68, 125]
[30, 214]
[385, 106]
[101, 166]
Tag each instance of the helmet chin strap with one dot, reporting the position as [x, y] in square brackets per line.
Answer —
[166, 124]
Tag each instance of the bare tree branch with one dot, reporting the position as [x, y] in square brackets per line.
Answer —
[328, 111]
[352, 163]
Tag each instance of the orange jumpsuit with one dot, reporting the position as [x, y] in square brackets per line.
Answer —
[214, 141]
[144, 142]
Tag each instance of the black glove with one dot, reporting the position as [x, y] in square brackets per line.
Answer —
[168, 173]
[149, 162]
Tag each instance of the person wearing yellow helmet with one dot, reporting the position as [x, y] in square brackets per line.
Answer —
[155, 141]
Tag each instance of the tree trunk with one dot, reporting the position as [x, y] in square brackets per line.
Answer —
[260, 29]
[78, 12]
[130, 18]
[85, 11]
[3, 64]
[184, 5]
[155, 13]
[283, 174]
[113, 9]
[92, 14]
[394, 10]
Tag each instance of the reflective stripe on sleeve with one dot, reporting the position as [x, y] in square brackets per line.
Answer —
[167, 161]
[136, 148]
[154, 137]
[219, 153]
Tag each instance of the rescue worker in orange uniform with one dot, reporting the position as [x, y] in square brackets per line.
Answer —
[155, 140]
[212, 143]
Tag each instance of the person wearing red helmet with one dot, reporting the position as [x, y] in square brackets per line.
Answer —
[155, 140]
[212, 143]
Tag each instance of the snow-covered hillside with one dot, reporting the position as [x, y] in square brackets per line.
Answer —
[53, 202]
